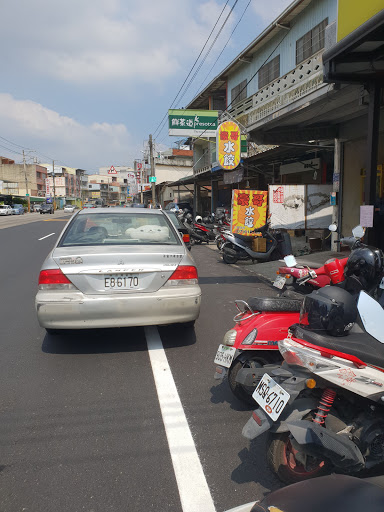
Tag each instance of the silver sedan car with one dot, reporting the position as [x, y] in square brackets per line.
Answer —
[118, 268]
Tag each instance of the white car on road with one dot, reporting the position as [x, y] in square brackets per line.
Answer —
[69, 208]
[5, 209]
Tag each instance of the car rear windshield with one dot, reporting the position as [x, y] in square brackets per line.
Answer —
[119, 229]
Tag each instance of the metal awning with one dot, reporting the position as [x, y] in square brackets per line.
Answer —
[358, 57]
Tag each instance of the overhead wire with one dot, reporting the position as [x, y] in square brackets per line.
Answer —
[203, 61]
[224, 47]
[198, 57]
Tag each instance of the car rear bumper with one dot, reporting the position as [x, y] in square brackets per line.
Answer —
[58, 310]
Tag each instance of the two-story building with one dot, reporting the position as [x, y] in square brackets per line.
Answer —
[301, 129]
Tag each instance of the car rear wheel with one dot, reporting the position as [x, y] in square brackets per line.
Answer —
[188, 325]
[54, 332]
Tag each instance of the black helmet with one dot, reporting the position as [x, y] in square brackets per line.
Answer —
[189, 216]
[367, 265]
[330, 309]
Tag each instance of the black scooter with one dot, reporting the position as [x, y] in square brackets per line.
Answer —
[239, 247]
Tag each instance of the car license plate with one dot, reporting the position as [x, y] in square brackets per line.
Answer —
[225, 355]
[121, 282]
[271, 397]
[279, 282]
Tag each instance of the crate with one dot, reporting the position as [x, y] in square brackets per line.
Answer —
[259, 244]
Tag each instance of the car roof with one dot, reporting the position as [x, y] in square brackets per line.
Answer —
[121, 209]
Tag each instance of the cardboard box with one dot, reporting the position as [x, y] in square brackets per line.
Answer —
[259, 244]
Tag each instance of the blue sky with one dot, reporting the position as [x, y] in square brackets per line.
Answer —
[85, 82]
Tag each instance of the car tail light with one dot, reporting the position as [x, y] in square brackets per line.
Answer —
[186, 239]
[183, 275]
[54, 279]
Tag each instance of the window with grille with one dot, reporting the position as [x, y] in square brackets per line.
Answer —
[311, 42]
[269, 72]
[239, 92]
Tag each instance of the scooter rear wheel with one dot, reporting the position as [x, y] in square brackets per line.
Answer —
[229, 258]
[282, 459]
[243, 393]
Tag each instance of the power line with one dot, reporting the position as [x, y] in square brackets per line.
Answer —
[14, 144]
[226, 44]
[205, 44]
[163, 123]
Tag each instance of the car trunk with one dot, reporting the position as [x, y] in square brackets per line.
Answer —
[118, 269]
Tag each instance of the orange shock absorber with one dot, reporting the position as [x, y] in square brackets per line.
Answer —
[325, 405]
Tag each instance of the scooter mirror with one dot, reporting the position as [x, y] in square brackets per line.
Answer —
[290, 260]
[358, 231]
[332, 227]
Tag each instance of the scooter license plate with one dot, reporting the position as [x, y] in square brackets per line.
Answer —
[271, 397]
[279, 282]
[225, 355]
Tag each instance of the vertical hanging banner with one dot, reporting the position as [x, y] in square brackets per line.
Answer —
[249, 210]
[228, 145]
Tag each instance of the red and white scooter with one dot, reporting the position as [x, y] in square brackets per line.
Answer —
[261, 322]
[324, 407]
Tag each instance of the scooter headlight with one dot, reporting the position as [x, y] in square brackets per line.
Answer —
[250, 338]
[230, 337]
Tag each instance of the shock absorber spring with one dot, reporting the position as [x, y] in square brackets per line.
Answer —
[324, 406]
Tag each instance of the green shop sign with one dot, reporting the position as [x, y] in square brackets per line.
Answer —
[193, 123]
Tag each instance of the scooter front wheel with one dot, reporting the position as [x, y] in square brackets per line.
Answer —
[243, 393]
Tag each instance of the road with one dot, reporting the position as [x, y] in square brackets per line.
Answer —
[86, 421]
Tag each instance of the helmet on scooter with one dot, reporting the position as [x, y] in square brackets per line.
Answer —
[330, 309]
[367, 265]
[189, 216]
[198, 218]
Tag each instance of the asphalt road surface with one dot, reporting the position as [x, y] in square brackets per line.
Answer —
[119, 420]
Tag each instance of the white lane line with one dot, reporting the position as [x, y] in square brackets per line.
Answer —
[192, 485]
[46, 236]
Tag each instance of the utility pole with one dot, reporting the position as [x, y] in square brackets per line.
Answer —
[152, 163]
[54, 185]
[26, 184]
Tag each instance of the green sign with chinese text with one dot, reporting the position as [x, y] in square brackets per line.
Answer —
[193, 123]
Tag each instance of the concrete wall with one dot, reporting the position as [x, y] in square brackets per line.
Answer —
[169, 172]
[354, 160]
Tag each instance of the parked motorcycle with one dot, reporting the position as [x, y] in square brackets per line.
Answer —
[263, 321]
[197, 236]
[272, 245]
[332, 272]
[324, 407]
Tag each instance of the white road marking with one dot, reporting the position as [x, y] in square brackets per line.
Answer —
[192, 485]
[46, 236]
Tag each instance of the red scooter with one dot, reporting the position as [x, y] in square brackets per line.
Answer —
[261, 323]
[332, 272]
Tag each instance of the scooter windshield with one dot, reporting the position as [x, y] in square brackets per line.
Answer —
[372, 316]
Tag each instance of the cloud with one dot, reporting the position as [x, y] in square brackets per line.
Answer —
[95, 41]
[72, 143]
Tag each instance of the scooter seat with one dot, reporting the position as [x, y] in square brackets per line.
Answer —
[275, 304]
[357, 343]
[307, 263]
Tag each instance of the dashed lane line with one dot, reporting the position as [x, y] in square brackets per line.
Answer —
[46, 236]
[193, 489]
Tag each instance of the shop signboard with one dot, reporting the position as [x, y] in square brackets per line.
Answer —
[249, 210]
[353, 13]
[95, 193]
[192, 123]
[228, 145]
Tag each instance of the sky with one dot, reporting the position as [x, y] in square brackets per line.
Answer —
[85, 82]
